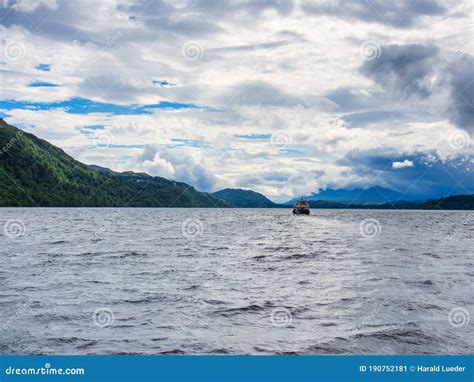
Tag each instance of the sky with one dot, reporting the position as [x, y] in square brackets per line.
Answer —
[279, 96]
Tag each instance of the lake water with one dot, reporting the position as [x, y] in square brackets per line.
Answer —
[233, 281]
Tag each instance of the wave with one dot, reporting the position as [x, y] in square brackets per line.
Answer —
[245, 309]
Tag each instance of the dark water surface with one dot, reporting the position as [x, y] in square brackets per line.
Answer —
[150, 281]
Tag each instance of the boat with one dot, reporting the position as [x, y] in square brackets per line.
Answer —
[301, 207]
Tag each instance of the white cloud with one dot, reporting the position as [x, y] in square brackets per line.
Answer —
[31, 5]
[265, 67]
[405, 163]
[183, 164]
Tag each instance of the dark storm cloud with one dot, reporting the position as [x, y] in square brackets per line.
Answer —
[430, 177]
[403, 68]
[352, 99]
[461, 81]
[69, 20]
[198, 17]
[407, 71]
[362, 118]
[400, 13]
[63, 23]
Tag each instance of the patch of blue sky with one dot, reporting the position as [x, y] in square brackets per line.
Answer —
[42, 85]
[116, 146]
[94, 127]
[188, 142]
[127, 146]
[89, 130]
[293, 151]
[86, 106]
[170, 105]
[43, 67]
[254, 136]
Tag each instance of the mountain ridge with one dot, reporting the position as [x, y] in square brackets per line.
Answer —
[33, 172]
[244, 198]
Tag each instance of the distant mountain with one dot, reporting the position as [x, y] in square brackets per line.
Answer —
[357, 195]
[33, 172]
[243, 198]
[458, 202]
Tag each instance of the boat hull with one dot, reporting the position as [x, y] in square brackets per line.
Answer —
[300, 211]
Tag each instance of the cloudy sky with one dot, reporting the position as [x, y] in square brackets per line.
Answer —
[283, 97]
